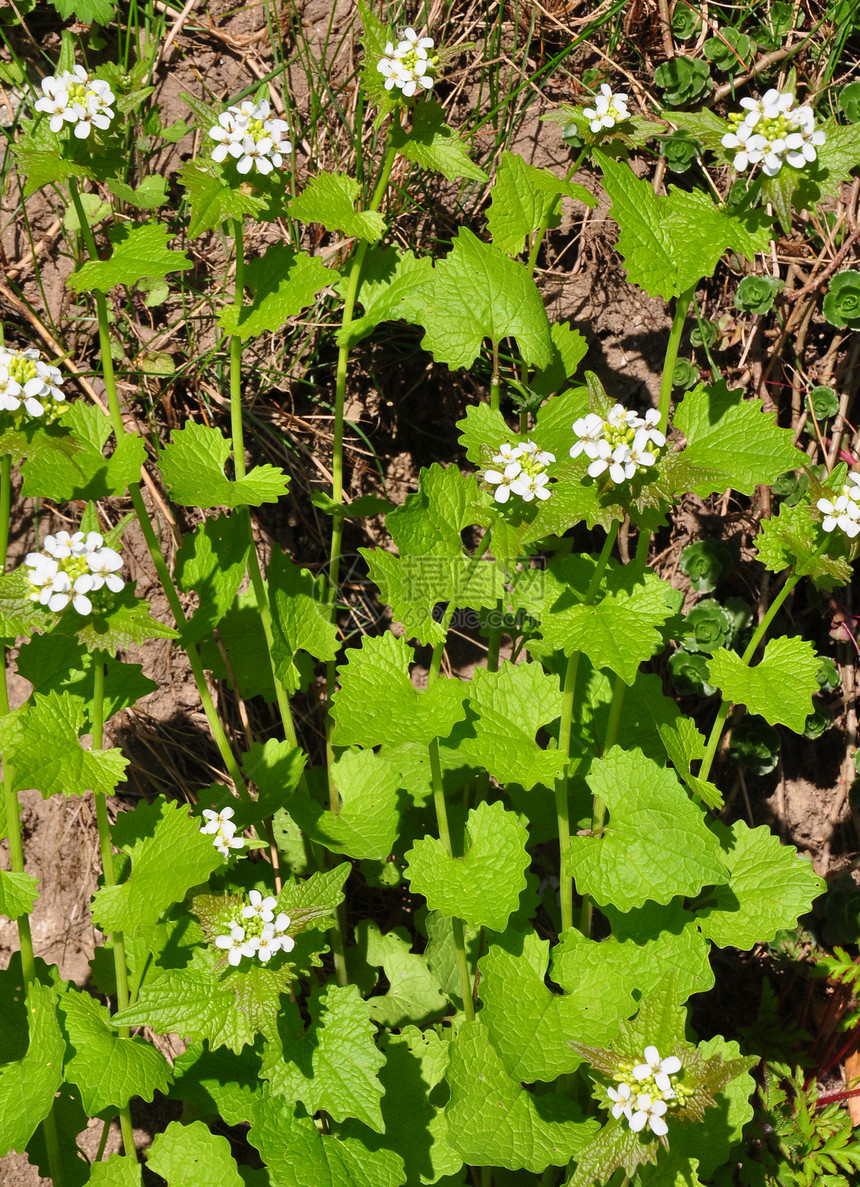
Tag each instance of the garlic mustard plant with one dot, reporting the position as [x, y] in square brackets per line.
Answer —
[73, 97]
[623, 442]
[772, 130]
[249, 135]
[222, 829]
[610, 108]
[70, 569]
[843, 512]
[524, 472]
[28, 382]
[409, 65]
[644, 1091]
[256, 932]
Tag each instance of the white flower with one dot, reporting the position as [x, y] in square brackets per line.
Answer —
[259, 907]
[622, 444]
[74, 98]
[507, 454]
[226, 840]
[268, 944]
[649, 1112]
[589, 430]
[772, 131]
[524, 472]
[26, 379]
[843, 511]
[234, 944]
[247, 133]
[659, 1070]
[216, 820]
[280, 925]
[531, 486]
[409, 65]
[69, 568]
[609, 109]
[623, 1097]
[502, 482]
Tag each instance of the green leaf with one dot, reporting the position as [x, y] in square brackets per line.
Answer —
[394, 285]
[505, 711]
[479, 293]
[217, 1083]
[415, 1124]
[86, 12]
[329, 198]
[297, 1154]
[484, 428]
[301, 618]
[670, 243]
[791, 538]
[211, 561]
[27, 1085]
[82, 471]
[213, 199]
[124, 622]
[41, 743]
[528, 1024]
[116, 1171]
[18, 614]
[377, 702]
[284, 282]
[241, 634]
[656, 844]
[46, 167]
[149, 195]
[569, 348]
[704, 125]
[780, 686]
[493, 1121]
[108, 1070]
[18, 892]
[193, 468]
[276, 768]
[483, 886]
[526, 199]
[731, 439]
[147, 835]
[369, 818]
[620, 630]
[433, 145]
[414, 993]
[192, 1156]
[334, 1065]
[767, 889]
[139, 250]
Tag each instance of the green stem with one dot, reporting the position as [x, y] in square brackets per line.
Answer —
[143, 519]
[725, 708]
[109, 874]
[671, 357]
[568, 688]
[337, 452]
[598, 808]
[553, 210]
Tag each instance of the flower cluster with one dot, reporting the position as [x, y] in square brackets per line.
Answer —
[69, 568]
[643, 1101]
[610, 108]
[524, 472]
[25, 379]
[74, 98]
[220, 826]
[772, 130]
[409, 65]
[623, 443]
[257, 931]
[248, 134]
[844, 511]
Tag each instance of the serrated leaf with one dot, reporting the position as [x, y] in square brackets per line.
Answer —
[284, 282]
[394, 285]
[241, 635]
[87, 12]
[479, 293]
[414, 993]
[766, 890]
[211, 561]
[367, 824]
[483, 886]
[493, 1121]
[217, 1083]
[18, 892]
[333, 1065]
[116, 1171]
[569, 348]
[529, 1025]
[46, 167]
[329, 198]
[213, 199]
[703, 125]
[505, 711]
[193, 468]
[483, 427]
[146, 835]
[525, 199]
[192, 1156]
[656, 844]
[297, 1154]
[733, 440]
[790, 539]
[124, 621]
[18, 614]
[108, 1070]
[684, 744]
[276, 767]
[27, 1085]
[139, 250]
[779, 687]
[670, 243]
[80, 470]
[433, 145]
[41, 743]
[149, 195]
[301, 618]
[377, 702]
